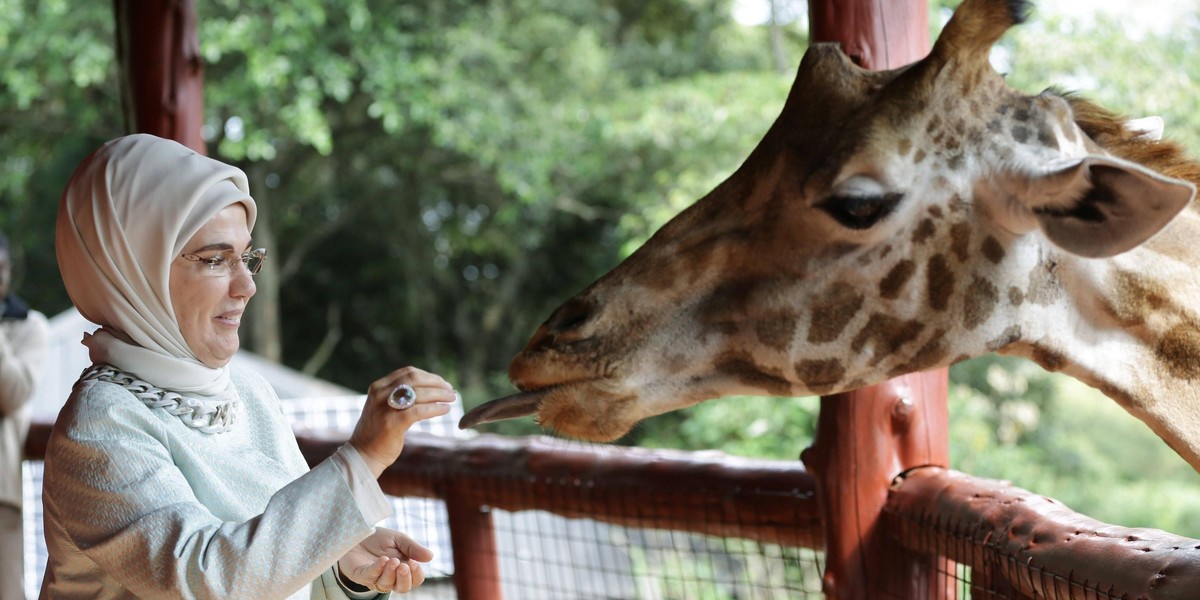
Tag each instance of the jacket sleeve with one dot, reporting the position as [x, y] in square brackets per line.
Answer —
[23, 346]
[112, 485]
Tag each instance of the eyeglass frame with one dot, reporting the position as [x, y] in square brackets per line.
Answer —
[259, 254]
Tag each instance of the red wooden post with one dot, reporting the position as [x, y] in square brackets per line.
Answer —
[473, 542]
[162, 73]
[866, 437]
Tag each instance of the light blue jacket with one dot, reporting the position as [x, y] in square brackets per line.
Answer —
[138, 504]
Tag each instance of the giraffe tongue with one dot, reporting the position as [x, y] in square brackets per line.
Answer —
[509, 407]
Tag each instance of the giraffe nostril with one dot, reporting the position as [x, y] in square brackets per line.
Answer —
[569, 317]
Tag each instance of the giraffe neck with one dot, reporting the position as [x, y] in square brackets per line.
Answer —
[1129, 326]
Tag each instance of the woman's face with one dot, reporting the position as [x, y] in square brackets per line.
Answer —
[209, 304]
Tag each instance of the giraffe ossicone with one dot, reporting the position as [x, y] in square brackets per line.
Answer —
[891, 222]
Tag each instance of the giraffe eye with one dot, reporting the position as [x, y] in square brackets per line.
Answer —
[860, 212]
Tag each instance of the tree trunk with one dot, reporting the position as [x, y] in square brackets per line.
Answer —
[263, 312]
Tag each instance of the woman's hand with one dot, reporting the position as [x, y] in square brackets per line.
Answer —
[387, 561]
[379, 434]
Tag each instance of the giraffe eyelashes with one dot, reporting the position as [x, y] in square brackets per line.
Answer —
[859, 211]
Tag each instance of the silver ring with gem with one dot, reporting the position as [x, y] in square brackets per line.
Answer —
[403, 397]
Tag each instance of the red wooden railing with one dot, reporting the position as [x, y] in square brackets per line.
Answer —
[1018, 545]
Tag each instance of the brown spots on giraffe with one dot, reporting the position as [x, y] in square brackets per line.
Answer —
[924, 230]
[957, 204]
[952, 144]
[820, 376]
[919, 157]
[886, 334]
[935, 125]
[1046, 136]
[676, 363]
[893, 283]
[979, 302]
[992, 250]
[776, 331]
[1048, 358]
[1179, 350]
[975, 137]
[930, 355]
[960, 240]
[742, 368]
[1135, 297]
[853, 384]
[940, 182]
[1044, 289]
[939, 282]
[1015, 296]
[1006, 338]
[832, 313]
[1020, 134]
[954, 163]
[936, 211]
[904, 147]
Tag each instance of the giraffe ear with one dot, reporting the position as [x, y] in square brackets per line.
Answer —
[1102, 206]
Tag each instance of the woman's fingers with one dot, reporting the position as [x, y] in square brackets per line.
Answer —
[418, 574]
[379, 434]
[411, 376]
[399, 576]
[411, 549]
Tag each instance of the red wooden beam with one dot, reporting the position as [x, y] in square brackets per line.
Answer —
[867, 437]
[162, 72]
[709, 493]
[1029, 546]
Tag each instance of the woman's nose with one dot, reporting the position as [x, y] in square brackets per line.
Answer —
[242, 283]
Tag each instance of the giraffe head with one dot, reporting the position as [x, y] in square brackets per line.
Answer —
[888, 222]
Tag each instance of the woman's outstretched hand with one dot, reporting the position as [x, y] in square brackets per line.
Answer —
[387, 561]
[379, 434]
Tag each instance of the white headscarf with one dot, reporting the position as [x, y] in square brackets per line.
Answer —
[127, 212]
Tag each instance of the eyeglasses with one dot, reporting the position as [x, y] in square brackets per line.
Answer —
[221, 265]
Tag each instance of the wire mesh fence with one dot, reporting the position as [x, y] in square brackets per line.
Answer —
[540, 518]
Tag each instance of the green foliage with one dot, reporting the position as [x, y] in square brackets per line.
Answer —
[1133, 72]
[1072, 444]
[58, 100]
[777, 428]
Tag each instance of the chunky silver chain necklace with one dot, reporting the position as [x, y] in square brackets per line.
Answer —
[206, 416]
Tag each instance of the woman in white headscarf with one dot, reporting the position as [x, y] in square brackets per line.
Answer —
[169, 473]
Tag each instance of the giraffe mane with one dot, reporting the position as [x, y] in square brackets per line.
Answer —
[1108, 129]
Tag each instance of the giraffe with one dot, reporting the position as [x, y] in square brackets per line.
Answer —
[892, 222]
